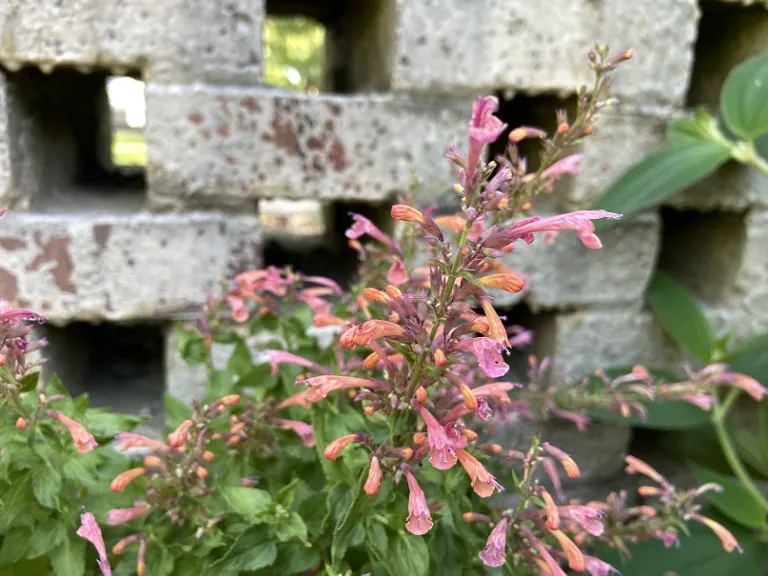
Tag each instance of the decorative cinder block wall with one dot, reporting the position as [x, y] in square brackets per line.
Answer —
[112, 257]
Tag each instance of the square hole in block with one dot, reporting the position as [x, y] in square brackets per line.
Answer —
[62, 135]
[717, 53]
[120, 366]
[704, 251]
[534, 111]
[339, 46]
[128, 119]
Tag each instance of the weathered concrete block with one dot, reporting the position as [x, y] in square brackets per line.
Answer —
[208, 144]
[567, 274]
[731, 188]
[171, 40]
[490, 44]
[581, 342]
[662, 34]
[5, 143]
[121, 267]
[624, 135]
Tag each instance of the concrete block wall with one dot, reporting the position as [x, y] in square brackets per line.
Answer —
[109, 254]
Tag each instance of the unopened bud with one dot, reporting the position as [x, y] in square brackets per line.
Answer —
[237, 428]
[233, 440]
[470, 435]
[527, 206]
[351, 393]
[440, 359]
[2, 359]
[43, 399]
[394, 317]
[230, 400]
[333, 449]
[648, 511]
[248, 482]
[421, 394]
[21, 424]
[394, 292]
[496, 449]
[405, 453]
[458, 188]
[208, 456]
[153, 462]
[369, 410]
[588, 130]
[419, 438]
[201, 473]
[503, 203]
[374, 295]
[355, 245]
[475, 517]
[469, 399]
[648, 491]
[563, 128]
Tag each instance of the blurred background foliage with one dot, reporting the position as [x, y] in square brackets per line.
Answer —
[293, 53]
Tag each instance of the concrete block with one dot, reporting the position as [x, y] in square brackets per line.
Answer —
[623, 136]
[5, 143]
[121, 267]
[581, 342]
[662, 34]
[732, 188]
[566, 274]
[208, 144]
[170, 40]
[451, 46]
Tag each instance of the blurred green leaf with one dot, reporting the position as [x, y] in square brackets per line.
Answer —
[29, 382]
[734, 501]
[660, 175]
[751, 449]
[191, 346]
[68, 558]
[744, 98]
[691, 130]
[105, 424]
[46, 483]
[46, 537]
[14, 545]
[700, 554]
[750, 357]
[248, 502]
[251, 551]
[680, 315]
[240, 362]
[176, 411]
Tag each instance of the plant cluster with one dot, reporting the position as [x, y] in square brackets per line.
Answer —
[352, 432]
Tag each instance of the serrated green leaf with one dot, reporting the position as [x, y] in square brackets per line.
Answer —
[681, 317]
[191, 346]
[409, 555]
[377, 538]
[294, 559]
[29, 381]
[660, 175]
[15, 498]
[291, 527]
[46, 484]
[68, 558]
[734, 501]
[14, 545]
[46, 537]
[103, 423]
[744, 98]
[251, 503]
[251, 551]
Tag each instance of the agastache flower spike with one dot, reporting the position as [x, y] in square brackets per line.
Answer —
[580, 221]
[496, 330]
[89, 530]
[572, 552]
[302, 429]
[277, 357]
[334, 449]
[419, 520]
[495, 552]
[488, 353]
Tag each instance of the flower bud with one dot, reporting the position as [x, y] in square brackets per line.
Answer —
[406, 214]
[374, 295]
[124, 478]
[201, 473]
[588, 130]
[371, 361]
[333, 449]
[421, 394]
[523, 132]
[470, 435]
[21, 424]
[233, 440]
[208, 456]
[237, 428]
[369, 410]
[230, 400]
[496, 449]
[648, 491]
[469, 399]
[248, 482]
[351, 393]
[179, 436]
[440, 359]
[405, 453]
[394, 292]
[394, 317]
[153, 462]
[563, 128]
[419, 438]
[373, 481]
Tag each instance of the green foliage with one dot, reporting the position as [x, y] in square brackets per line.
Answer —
[681, 317]
[698, 146]
[293, 53]
[734, 501]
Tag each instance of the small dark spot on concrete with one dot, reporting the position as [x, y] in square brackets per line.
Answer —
[337, 155]
[56, 251]
[229, 160]
[196, 118]
[12, 244]
[329, 125]
[206, 134]
[405, 61]
[334, 108]
[314, 143]
[101, 234]
[131, 262]
[9, 286]
[250, 104]
[223, 130]
[421, 40]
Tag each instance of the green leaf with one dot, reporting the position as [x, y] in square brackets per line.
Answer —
[660, 175]
[734, 501]
[698, 128]
[248, 502]
[258, 377]
[240, 362]
[700, 554]
[681, 317]
[291, 527]
[409, 555]
[46, 484]
[251, 551]
[220, 383]
[159, 560]
[14, 546]
[191, 346]
[176, 411]
[29, 382]
[294, 559]
[103, 423]
[751, 449]
[377, 538]
[750, 357]
[68, 558]
[744, 98]
[46, 537]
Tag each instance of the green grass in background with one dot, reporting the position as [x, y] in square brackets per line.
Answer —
[129, 148]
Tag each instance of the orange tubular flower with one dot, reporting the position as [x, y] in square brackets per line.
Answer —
[373, 481]
[321, 386]
[504, 281]
[406, 214]
[483, 481]
[83, 440]
[572, 553]
[363, 334]
[123, 479]
[455, 223]
[726, 538]
[635, 465]
[375, 295]
[550, 508]
[496, 330]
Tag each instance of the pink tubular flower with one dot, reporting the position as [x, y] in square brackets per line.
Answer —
[397, 274]
[483, 481]
[323, 281]
[441, 455]
[552, 566]
[419, 520]
[363, 334]
[744, 382]
[303, 430]
[333, 449]
[551, 470]
[89, 530]
[635, 466]
[83, 440]
[580, 222]
[277, 357]
[127, 440]
[597, 567]
[178, 437]
[496, 390]
[568, 165]
[590, 519]
[298, 399]
[488, 353]
[239, 309]
[321, 386]
[361, 226]
[373, 481]
[484, 128]
[118, 516]
[495, 552]
[726, 538]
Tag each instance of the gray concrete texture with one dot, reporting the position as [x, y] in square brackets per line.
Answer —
[86, 244]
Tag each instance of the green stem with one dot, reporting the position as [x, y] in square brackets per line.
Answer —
[718, 421]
